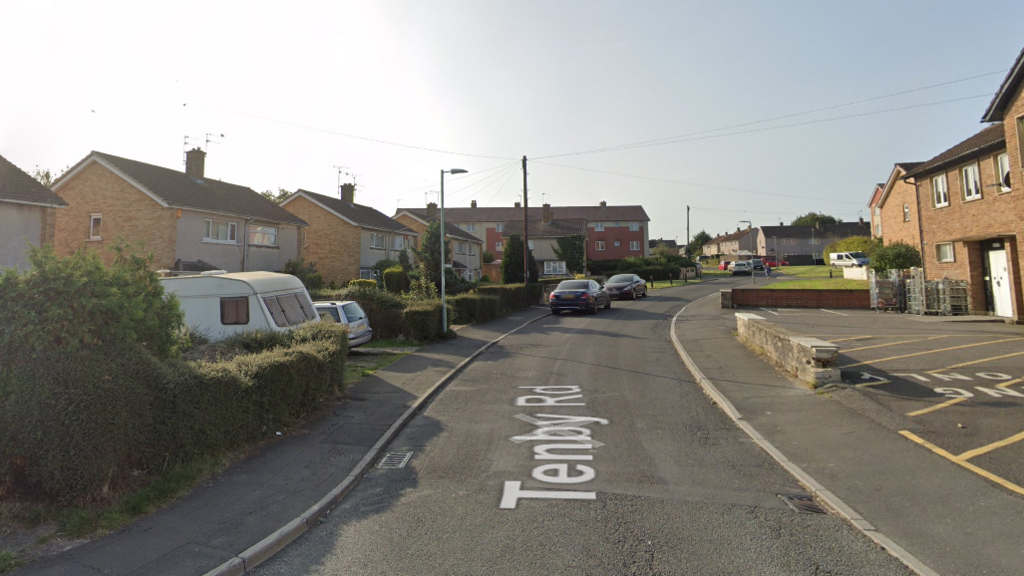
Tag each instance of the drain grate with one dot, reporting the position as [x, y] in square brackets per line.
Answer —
[802, 503]
[394, 460]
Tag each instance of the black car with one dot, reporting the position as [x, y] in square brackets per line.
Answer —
[758, 265]
[626, 286]
[579, 295]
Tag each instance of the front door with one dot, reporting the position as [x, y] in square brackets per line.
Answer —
[999, 283]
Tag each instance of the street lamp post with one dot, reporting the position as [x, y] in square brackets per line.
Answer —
[444, 309]
[750, 233]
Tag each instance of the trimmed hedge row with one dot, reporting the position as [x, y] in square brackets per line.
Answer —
[76, 426]
[667, 272]
[513, 296]
[473, 308]
[423, 320]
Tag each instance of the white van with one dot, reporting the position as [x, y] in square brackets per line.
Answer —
[848, 259]
[219, 304]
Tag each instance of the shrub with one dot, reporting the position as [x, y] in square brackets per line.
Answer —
[383, 264]
[423, 320]
[75, 302]
[305, 272]
[852, 244]
[472, 308]
[362, 283]
[895, 256]
[255, 340]
[396, 280]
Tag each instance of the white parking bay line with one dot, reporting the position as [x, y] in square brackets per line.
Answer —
[833, 312]
[769, 311]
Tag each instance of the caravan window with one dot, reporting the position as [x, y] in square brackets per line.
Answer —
[290, 309]
[234, 311]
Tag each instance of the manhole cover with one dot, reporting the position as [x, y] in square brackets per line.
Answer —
[802, 503]
[394, 460]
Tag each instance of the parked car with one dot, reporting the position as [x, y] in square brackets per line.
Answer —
[579, 295]
[350, 314]
[741, 268]
[758, 265]
[626, 286]
[220, 304]
[724, 265]
[775, 264]
[848, 259]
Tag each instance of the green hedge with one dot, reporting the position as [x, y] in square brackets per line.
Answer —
[396, 280]
[511, 296]
[76, 426]
[423, 320]
[473, 308]
[364, 284]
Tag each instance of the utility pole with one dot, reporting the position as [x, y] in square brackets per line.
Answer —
[688, 255]
[526, 238]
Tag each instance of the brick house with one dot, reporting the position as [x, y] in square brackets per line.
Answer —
[187, 221]
[544, 235]
[894, 208]
[466, 249]
[740, 241]
[805, 245]
[613, 232]
[346, 239]
[28, 215]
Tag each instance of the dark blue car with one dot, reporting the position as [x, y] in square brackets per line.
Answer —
[579, 295]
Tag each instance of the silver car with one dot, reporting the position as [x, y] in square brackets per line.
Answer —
[350, 314]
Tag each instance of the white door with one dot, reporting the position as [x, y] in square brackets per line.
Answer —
[999, 278]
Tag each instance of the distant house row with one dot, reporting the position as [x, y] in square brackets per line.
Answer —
[797, 245]
[192, 223]
[963, 209]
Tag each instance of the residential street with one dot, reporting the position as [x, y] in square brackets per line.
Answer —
[641, 473]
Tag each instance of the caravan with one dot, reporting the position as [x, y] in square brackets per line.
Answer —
[220, 304]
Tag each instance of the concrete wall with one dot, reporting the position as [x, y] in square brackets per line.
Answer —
[809, 359]
[20, 224]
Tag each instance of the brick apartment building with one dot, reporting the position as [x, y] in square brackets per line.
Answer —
[894, 208]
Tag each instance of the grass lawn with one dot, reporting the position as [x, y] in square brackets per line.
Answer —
[808, 271]
[405, 343]
[817, 284]
[8, 562]
[359, 367]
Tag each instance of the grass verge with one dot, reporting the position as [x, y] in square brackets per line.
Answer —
[359, 367]
[392, 343]
[8, 562]
[807, 271]
[818, 284]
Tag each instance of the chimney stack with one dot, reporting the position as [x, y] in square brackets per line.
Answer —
[472, 203]
[781, 224]
[195, 163]
[547, 213]
[861, 220]
[348, 193]
[431, 210]
[518, 205]
[603, 204]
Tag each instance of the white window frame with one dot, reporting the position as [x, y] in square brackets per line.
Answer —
[617, 243]
[554, 267]
[940, 191]
[1003, 171]
[378, 241]
[634, 245]
[906, 214]
[365, 274]
[499, 246]
[951, 257]
[471, 227]
[208, 225]
[92, 226]
[499, 227]
[531, 244]
[634, 226]
[598, 226]
[397, 242]
[472, 249]
[460, 247]
[599, 245]
[270, 231]
[970, 182]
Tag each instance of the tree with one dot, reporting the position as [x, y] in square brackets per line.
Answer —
[276, 198]
[403, 261]
[46, 177]
[487, 257]
[813, 218]
[895, 256]
[863, 244]
[512, 262]
[429, 253]
[305, 272]
[572, 250]
[697, 243]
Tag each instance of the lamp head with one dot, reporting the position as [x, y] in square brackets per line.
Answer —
[457, 171]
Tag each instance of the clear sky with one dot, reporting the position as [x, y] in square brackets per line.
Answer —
[395, 91]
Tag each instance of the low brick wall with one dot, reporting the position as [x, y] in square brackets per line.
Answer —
[809, 359]
[801, 298]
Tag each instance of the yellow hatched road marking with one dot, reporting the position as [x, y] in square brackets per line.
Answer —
[892, 344]
[961, 365]
[932, 352]
[957, 460]
[946, 404]
[851, 338]
[986, 449]
[1010, 383]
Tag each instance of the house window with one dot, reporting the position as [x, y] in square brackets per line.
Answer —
[906, 216]
[234, 311]
[1003, 171]
[397, 242]
[220, 231]
[1020, 139]
[944, 252]
[460, 247]
[95, 224]
[499, 246]
[878, 228]
[378, 240]
[634, 226]
[531, 244]
[599, 245]
[634, 245]
[599, 227]
[940, 193]
[472, 249]
[617, 243]
[263, 235]
[471, 227]
[552, 267]
[499, 227]
[365, 274]
[971, 182]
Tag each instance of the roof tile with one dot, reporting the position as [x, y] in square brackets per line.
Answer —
[17, 186]
[988, 139]
[361, 215]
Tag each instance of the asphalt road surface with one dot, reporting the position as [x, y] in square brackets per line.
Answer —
[580, 445]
